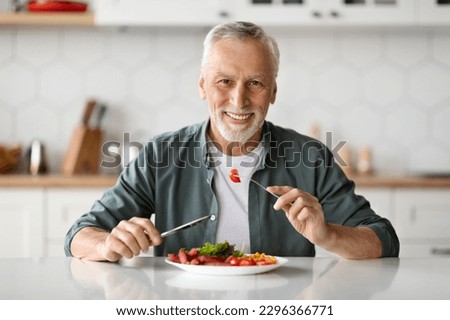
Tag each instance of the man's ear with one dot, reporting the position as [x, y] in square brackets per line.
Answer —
[274, 94]
[201, 87]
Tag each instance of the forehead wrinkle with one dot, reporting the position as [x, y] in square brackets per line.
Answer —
[229, 52]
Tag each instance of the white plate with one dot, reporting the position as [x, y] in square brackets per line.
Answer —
[228, 270]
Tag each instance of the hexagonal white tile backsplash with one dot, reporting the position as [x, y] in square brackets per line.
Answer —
[388, 89]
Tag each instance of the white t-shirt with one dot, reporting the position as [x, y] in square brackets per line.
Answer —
[233, 224]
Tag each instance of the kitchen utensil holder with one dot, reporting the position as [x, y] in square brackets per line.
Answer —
[83, 155]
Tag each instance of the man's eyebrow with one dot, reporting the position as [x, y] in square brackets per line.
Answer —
[227, 76]
[222, 75]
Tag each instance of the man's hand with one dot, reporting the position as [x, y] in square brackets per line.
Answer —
[128, 239]
[303, 211]
[305, 214]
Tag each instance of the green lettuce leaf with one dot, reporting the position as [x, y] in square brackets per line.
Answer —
[222, 249]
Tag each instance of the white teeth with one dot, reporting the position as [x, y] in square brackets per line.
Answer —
[239, 116]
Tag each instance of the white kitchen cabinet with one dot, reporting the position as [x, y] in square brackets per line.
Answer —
[265, 12]
[422, 219]
[327, 12]
[21, 218]
[420, 216]
[380, 199]
[64, 206]
[273, 12]
[375, 12]
[35, 220]
[162, 12]
[434, 12]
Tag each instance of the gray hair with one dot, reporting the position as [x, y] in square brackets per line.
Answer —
[240, 31]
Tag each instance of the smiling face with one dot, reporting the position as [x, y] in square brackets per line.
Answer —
[238, 83]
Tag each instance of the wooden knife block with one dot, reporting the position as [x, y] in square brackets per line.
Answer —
[83, 155]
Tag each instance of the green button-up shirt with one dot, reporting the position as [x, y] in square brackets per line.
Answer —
[172, 178]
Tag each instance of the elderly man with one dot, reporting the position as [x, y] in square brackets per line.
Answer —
[183, 175]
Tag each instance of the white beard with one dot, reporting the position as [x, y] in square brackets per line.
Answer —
[237, 133]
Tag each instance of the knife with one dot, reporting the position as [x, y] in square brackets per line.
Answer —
[185, 226]
[96, 118]
[88, 110]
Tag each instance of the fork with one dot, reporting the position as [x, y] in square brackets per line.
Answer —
[235, 177]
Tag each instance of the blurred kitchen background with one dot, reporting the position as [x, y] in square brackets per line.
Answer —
[386, 88]
[374, 73]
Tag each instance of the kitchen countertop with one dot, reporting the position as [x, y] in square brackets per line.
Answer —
[54, 180]
[401, 181]
[146, 277]
[106, 181]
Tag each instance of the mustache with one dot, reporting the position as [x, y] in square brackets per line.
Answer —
[233, 109]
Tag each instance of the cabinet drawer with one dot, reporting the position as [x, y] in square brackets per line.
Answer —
[21, 215]
[425, 250]
[433, 12]
[422, 213]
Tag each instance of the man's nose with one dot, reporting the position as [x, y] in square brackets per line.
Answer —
[239, 96]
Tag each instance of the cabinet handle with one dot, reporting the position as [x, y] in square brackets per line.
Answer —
[335, 14]
[317, 14]
[440, 251]
[224, 14]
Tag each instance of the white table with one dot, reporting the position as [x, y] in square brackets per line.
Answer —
[152, 278]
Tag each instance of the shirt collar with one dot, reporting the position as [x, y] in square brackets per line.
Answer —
[265, 143]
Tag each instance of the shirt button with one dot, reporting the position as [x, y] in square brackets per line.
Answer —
[213, 217]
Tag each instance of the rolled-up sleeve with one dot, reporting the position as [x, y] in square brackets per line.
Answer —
[121, 202]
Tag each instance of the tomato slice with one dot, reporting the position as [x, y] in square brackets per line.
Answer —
[232, 261]
[234, 176]
[247, 262]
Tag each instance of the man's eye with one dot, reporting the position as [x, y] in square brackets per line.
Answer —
[224, 81]
[255, 85]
